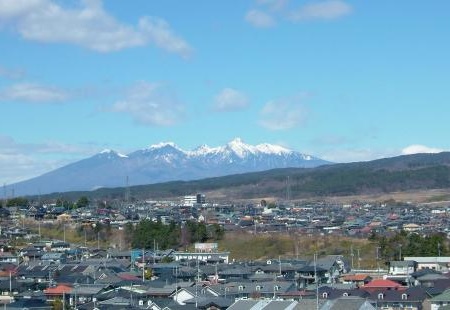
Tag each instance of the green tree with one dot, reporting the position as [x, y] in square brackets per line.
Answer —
[147, 233]
[17, 202]
[82, 202]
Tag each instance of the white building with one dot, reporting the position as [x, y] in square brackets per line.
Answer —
[438, 263]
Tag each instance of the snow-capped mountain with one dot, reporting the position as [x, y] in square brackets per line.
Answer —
[164, 162]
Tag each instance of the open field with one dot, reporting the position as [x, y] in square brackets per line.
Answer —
[432, 197]
[247, 246]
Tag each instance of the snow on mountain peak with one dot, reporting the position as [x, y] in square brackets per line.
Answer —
[162, 145]
[240, 148]
[112, 152]
[272, 149]
[202, 150]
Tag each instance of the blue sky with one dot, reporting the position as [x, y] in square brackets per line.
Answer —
[339, 79]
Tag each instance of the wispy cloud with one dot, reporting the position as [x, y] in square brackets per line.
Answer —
[12, 74]
[260, 19]
[230, 99]
[417, 148]
[33, 93]
[21, 161]
[274, 10]
[151, 104]
[87, 25]
[329, 9]
[355, 154]
[273, 5]
[284, 113]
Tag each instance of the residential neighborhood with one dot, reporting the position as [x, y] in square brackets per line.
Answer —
[41, 273]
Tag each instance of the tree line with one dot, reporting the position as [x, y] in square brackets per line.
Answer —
[403, 244]
[146, 234]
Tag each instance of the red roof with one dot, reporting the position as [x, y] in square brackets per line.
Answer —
[58, 290]
[380, 283]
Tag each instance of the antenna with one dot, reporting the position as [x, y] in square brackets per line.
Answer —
[127, 191]
[288, 189]
[4, 195]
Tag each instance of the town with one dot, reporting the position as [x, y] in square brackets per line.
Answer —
[39, 272]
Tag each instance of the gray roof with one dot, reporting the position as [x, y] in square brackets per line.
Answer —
[402, 263]
[243, 305]
[266, 305]
[348, 303]
[431, 277]
[444, 297]
[280, 304]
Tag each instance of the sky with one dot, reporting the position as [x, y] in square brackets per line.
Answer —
[343, 80]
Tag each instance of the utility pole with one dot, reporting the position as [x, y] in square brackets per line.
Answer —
[378, 260]
[317, 281]
[359, 261]
[279, 263]
[288, 189]
[143, 265]
[351, 254]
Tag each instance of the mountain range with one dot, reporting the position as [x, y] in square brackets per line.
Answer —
[164, 162]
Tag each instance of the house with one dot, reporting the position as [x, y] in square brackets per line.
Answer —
[412, 298]
[53, 258]
[383, 285]
[348, 303]
[58, 292]
[30, 303]
[182, 295]
[405, 267]
[269, 289]
[357, 279]
[440, 300]
[60, 246]
[6, 257]
[438, 263]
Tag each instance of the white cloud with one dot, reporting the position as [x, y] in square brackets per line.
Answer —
[88, 26]
[284, 113]
[30, 92]
[158, 32]
[151, 104]
[17, 8]
[417, 148]
[259, 19]
[230, 99]
[21, 161]
[328, 9]
[355, 154]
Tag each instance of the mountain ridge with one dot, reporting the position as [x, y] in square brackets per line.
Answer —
[405, 173]
[164, 162]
